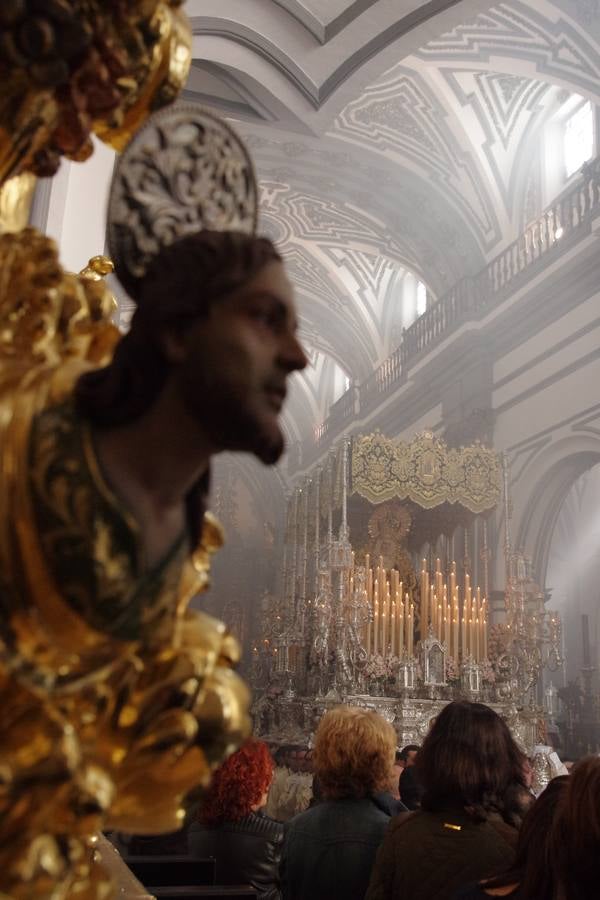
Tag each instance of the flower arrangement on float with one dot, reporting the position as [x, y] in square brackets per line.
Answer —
[452, 670]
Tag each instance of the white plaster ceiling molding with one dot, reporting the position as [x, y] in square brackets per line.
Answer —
[236, 96]
[416, 227]
[378, 212]
[312, 217]
[533, 40]
[401, 119]
[376, 287]
[325, 18]
[465, 111]
[337, 330]
[314, 55]
[338, 265]
[508, 114]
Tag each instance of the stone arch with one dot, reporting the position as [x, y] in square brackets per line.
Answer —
[557, 468]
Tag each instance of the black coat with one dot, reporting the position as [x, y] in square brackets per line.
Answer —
[246, 852]
[410, 788]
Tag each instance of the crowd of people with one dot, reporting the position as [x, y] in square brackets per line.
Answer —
[454, 819]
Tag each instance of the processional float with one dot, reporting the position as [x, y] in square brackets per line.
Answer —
[386, 595]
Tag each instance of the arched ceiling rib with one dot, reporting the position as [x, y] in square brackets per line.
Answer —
[325, 18]
[321, 55]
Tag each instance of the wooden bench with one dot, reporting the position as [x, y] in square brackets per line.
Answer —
[172, 871]
[213, 891]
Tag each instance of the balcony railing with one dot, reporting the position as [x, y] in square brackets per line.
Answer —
[468, 299]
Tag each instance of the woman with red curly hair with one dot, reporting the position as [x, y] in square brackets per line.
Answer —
[232, 827]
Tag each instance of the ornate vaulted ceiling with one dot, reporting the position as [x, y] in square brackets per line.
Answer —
[395, 142]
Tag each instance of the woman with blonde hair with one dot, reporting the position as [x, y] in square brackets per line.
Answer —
[329, 849]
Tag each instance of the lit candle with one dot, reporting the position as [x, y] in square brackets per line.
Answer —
[410, 630]
[484, 646]
[455, 623]
[453, 579]
[445, 616]
[384, 623]
[376, 618]
[393, 629]
[479, 620]
[463, 632]
[400, 624]
[468, 613]
[439, 578]
[424, 597]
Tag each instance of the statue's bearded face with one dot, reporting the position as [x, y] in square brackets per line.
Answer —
[237, 359]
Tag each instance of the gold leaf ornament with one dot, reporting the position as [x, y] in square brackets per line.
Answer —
[70, 68]
[97, 731]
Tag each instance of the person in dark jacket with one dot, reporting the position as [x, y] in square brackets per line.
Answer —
[231, 827]
[329, 849]
[530, 876]
[410, 788]
[472, 774]
[558, 854]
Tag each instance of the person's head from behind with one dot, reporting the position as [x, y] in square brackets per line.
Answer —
[408, 755]
[354, 753]
[215, 325]
[240, 786]
[469, 760]
[575, 842]
[532, 869]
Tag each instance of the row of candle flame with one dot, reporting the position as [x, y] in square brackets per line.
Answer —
[462, 626]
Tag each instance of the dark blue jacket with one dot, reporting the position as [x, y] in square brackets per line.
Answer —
[329, 850]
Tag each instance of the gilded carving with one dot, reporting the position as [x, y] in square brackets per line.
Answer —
[114, 711]
[70, 68]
